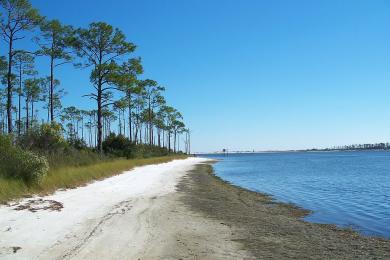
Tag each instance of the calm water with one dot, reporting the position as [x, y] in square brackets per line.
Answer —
[344, 188]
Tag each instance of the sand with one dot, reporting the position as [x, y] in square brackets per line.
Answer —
[135, 215]
[175, 210]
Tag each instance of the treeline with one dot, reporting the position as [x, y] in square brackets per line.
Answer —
[127, 105]
[377, 146]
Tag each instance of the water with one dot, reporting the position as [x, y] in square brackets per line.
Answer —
[349, 189]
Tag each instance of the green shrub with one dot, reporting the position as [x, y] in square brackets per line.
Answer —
[147, 151]
[47, 138]
[30, 167]
[119, 146]
[5, 147]
[77, 143]
[21, 164]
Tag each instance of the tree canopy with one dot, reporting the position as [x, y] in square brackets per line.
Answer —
[125, 102]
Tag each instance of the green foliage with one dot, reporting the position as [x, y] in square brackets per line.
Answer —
[72, 157]
[46, 138]
[29, 166]
[24, 63]
[21, 164]
[111, 45]
[54, 40]
[148, 151]
[100, 36]
[3, 66]
[72, 176]
[120, 146]
[32, 89]
[127, 74]
[19, 16]
[77, 143]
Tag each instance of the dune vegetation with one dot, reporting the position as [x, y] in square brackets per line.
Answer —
[73, 176]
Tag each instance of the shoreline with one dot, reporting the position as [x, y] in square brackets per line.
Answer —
[175, 210]
[292, 151]
[271, 229]
[306, 212]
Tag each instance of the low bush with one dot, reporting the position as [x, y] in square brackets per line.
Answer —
[46, 137]
[47, 140]
[77, 143]
[21, 164]
[120, 146]
[30, 167]
[147, 151]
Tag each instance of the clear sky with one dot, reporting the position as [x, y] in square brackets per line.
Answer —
[254, 74]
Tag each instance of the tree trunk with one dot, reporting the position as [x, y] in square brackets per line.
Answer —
[150, 122]
[9, 85]
[140, 133]
[51, 88]
[99, 119]
[20, 99]
[169, 141]
[32, 112]
[124, 122]
[146, 135]
[163, 145]
[174, 142]
[129, 107]
[189, 142]
[77, 128]
[82, 128]
[159, 137]
[27, 114]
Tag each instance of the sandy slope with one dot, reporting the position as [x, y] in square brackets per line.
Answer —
[130, 216]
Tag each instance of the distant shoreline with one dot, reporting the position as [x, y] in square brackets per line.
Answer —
[293, 151]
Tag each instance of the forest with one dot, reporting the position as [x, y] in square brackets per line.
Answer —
[131, 119]
[356, 147]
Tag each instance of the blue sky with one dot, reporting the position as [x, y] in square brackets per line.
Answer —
[255, 74]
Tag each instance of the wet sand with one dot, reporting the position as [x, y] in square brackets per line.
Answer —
[267, 229]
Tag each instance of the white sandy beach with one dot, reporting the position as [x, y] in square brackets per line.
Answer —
[134, 215]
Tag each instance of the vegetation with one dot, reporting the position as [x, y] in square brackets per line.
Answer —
[42, 143]
[125, 103]
[354, 147]
[71, 177]
[21, 164]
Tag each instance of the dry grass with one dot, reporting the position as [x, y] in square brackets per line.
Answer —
[71, 177]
